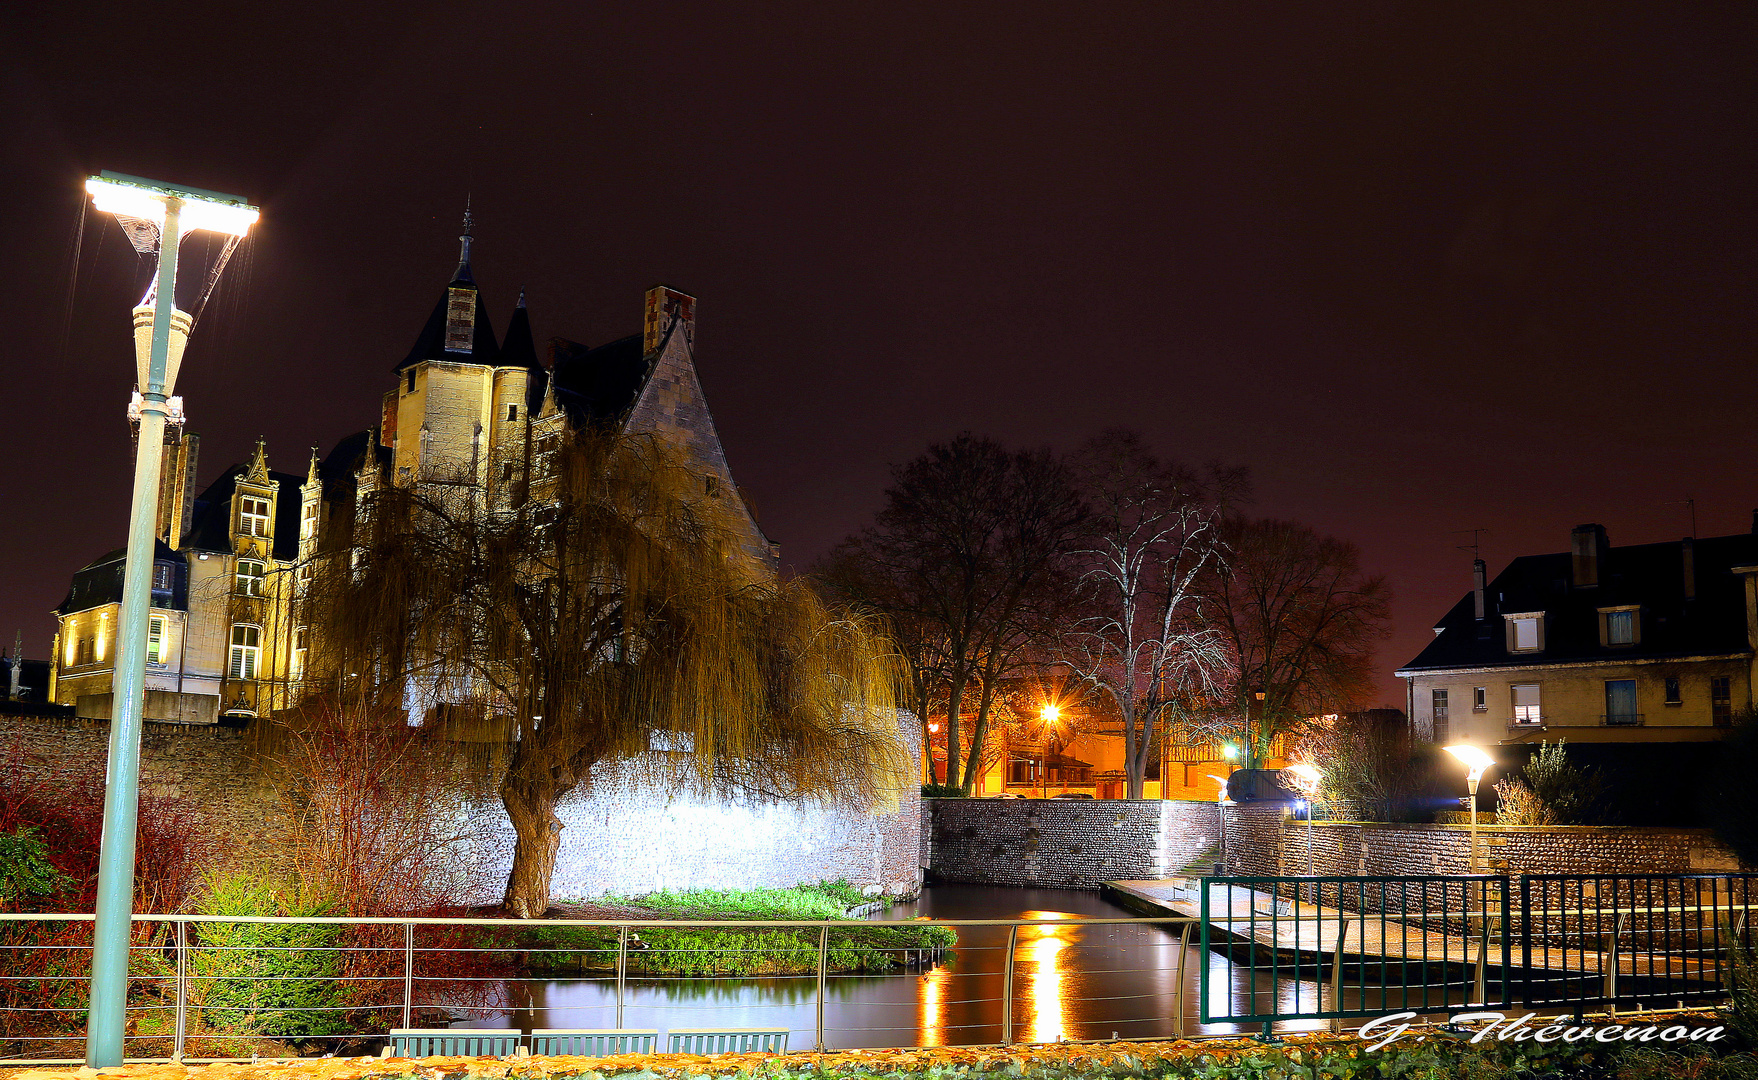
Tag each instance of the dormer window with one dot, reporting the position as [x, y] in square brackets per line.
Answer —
[1620, 627]
[253, 516]
[1525, 632]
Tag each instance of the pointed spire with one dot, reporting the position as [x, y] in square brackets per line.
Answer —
[463, 273]
[259, 462]
[521, 302]
[311, 471]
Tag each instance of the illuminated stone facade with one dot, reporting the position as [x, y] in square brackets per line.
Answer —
[467, 412]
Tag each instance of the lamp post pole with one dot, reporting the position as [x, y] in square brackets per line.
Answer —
[1471, 780]
[115, 908]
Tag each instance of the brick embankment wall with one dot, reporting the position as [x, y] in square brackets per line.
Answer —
[1262, 841]
[1062, 843]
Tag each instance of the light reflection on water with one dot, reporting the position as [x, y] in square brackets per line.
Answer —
[1070, 982]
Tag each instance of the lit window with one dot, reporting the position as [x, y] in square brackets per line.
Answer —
[308, 522]
[1526, 710]
[246, 652]
[1438, 701]
[253, 516]
[1721, 701]
[250, 574]
[156, 640]
[300, 638]
[1480, 698]
[1526, 632]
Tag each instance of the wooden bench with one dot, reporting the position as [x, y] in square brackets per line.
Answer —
[726, 1040]
[592, 1042]
[453, 1042]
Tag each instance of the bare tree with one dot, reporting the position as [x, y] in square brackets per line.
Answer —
[1300, 620]
[967, 551]
[614, 620]
[1144, 643]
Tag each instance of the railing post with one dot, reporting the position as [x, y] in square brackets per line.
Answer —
[1611, 962]
[622, 968]
[1007, 985]
[408, 973]
[823, 960]
[1178, 993]
[182, 991]
[1337, 966]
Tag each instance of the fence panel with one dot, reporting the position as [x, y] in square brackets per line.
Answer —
[1630, 939]
[1311, 948]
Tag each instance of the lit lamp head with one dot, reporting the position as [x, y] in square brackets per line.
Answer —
[1050, 713]
[1475, 760]
[141, 207]
[1230, 752]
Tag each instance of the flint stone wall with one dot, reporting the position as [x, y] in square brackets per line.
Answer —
[1062, 843]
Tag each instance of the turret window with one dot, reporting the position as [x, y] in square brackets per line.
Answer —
[308, 522]
[512, 412]
[301, 641]
[250, 575]
[246, 652]
[253, 516]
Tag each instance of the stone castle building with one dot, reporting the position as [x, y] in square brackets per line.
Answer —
[466, 410]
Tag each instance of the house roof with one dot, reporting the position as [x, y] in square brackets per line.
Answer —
[210, 527]
[1650, 576]
[430, 344]
[599, 386]
[100, 581]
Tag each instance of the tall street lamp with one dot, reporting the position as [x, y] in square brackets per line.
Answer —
[1477, 761]
[151, 213]
[1306, 778]
[1049, 714]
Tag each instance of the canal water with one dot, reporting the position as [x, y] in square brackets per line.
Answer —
[1070, 982]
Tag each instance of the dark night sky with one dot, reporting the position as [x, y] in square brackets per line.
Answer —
[1422, 268]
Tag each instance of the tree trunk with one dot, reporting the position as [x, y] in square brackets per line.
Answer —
[954, 702]
[974, 761]
[531, 808]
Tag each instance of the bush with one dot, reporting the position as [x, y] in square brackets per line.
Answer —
[1551, 790]
[25, 868]
[267, 979]
[942, 791]
[1730, 799]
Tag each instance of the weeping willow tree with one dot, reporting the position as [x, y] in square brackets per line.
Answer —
[613, 619]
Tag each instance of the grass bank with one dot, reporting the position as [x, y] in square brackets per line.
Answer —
[875, 947]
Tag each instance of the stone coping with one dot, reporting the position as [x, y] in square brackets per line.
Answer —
[1414, 826]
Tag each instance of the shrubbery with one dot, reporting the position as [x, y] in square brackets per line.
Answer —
[1551, 790]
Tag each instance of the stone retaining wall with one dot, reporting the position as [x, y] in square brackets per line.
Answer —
[624, 837]
[1262, 841]
[1062, 843]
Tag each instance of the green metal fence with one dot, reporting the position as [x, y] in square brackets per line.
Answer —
[1311, 948]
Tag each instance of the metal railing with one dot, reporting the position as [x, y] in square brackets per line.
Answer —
[1630, 719]
[1310, 948]
[201, 988]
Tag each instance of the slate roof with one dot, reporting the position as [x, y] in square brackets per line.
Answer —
[100, 581]
[518, 350]
[431, 343]
[1712, 623]
[210, 527]
[599, 386]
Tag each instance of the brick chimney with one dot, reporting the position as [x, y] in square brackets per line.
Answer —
[1688, 557]
[1477, 576]
[1587, 548]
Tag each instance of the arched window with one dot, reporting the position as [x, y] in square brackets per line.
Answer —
[301, 640]
[246, 651]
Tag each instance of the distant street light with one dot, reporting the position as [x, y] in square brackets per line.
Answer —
[154, 215]
[1476, 761]
[1049, 714]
